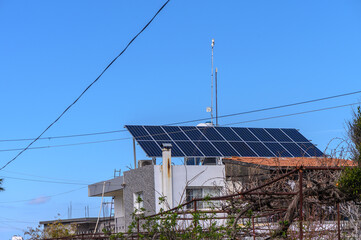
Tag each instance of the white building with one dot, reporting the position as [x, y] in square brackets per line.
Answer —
[177, 183]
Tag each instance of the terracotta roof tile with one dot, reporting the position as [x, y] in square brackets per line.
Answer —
[295, 162]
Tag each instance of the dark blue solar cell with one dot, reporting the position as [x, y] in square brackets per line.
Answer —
[278, 135]
[295, 135]
[262, 135]
[243, 149]
[176, 152]
[278, 150]
[157, 132]
[139, 132]
[151, 148]
[189, 149]
[226, 149]
[294, 149]
[175, 133]
[260, 149]
[228, 134]
[211, 133]
[193, 133]
[207, 149]
[245, 134]
[311, 149]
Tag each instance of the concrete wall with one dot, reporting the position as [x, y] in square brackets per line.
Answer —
[110, 188]
[138, 180]
[191, 176]
[119, 212]
[148, 179]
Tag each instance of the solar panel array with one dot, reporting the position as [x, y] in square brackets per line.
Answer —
[212, 141]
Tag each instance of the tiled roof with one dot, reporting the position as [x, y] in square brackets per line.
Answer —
[295, 162]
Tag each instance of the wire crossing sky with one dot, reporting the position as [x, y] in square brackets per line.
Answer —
[196, 120]
[87, 88]
[270, 56]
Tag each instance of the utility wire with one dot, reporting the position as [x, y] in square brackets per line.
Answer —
[64, 145]
[27, 200]
[45, 181]
[234, 123]
[87, 88]
[188, 121]
[272, 108]
[65, 136]
[31, 175]
[292, 114]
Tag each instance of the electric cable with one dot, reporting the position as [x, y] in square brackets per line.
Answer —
[44, 181]
[50, 196]
[271, 108]
[89, 86]
[188, 121]
[234, 123]
[65, 136]
[64, 145]
[32, 175]
[292, 114]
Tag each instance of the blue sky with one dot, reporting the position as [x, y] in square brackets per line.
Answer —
[268, 53]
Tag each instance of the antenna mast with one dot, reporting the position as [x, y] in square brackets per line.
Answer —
[216, 98]
[212, 84]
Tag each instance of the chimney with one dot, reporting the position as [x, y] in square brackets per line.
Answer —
[167, 188]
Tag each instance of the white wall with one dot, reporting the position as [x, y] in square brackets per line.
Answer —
[191, 176]
[118, 205]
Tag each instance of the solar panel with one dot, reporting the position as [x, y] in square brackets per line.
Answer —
[225, 148]
[193, 133]
[157, 132]
[311, 149]
[278, 135]
[175, 133]
[243, 149]
[207, 149]
[262, 135]
[188, 141]
[261, 149]
[277, 149]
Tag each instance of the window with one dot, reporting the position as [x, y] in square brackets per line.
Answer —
[138, 202]
[192, 193]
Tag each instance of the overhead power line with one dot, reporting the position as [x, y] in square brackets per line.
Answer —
[50, 196]
[64, 145]
[65, 136]
[293, 114]
[272, 108]
[44, 177]
[87, 88]
[234, 123]
[188, 121]
[44, 181]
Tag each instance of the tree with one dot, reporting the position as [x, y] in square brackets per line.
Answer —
[354, 135]
[53, 230]
[350, 179]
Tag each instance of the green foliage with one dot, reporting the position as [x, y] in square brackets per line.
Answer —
[350, 182]
[350, 179]
[354, 132]
[53, 230]
[34, 233]
[167, 225]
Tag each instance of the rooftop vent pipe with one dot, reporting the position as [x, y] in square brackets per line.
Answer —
[167, 188]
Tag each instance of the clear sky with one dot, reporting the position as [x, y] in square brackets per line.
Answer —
[268, 53]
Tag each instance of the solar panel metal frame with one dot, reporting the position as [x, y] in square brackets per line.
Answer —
[197, 141]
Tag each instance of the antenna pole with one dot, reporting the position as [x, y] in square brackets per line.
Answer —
[212, 84]
[135, 156]
[216, 98]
